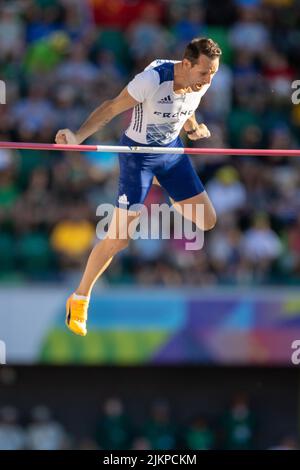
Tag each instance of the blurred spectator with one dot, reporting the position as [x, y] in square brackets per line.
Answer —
[188, 22]
[11, 32]
[226, 191]
[114, 431]
[260, 243]
[12, 435]
[147, 36]
[225, 250]
[220, 92]
[42, 19]
[43, 433]
[199, 436]
[72, 237]
[159, 428]
[36, 109]
[77, 69]
[239, 425]
[249, 25]
[279, 73]
[44, 55]
[9, 191]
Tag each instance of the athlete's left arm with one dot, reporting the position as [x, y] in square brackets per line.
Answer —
[194, 130]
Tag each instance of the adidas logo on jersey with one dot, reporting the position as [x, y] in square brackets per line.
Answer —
[167, 99]
[123, 200]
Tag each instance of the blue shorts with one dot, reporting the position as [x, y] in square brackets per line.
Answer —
[174, 172]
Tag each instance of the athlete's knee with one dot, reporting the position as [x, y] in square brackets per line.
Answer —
[210, 219]
[115, 244]
[205, 220]
[121, 243]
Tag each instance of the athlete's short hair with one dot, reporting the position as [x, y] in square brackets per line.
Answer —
[205, 46]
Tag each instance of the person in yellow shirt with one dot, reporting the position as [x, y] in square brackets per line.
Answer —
[71, 239]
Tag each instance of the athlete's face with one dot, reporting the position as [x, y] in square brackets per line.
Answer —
[202, 72]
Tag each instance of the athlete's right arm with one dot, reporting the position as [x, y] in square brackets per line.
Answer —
[97, 119]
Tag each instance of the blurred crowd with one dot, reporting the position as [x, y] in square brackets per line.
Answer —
[59, 59]
[116, 429]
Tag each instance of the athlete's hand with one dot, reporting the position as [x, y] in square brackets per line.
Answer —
[65, 136]
[201, 132]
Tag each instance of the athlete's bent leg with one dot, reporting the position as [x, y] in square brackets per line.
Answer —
[204, 220]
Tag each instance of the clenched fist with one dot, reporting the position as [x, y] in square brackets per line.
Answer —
[65, 136]
[200, 133]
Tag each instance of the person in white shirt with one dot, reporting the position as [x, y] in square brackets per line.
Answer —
[164, 98]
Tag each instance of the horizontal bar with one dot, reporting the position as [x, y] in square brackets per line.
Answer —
[149, 150]
[33, 146]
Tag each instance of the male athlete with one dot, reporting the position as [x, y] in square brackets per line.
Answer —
[164, 98]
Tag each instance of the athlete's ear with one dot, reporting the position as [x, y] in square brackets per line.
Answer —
[187, 64]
